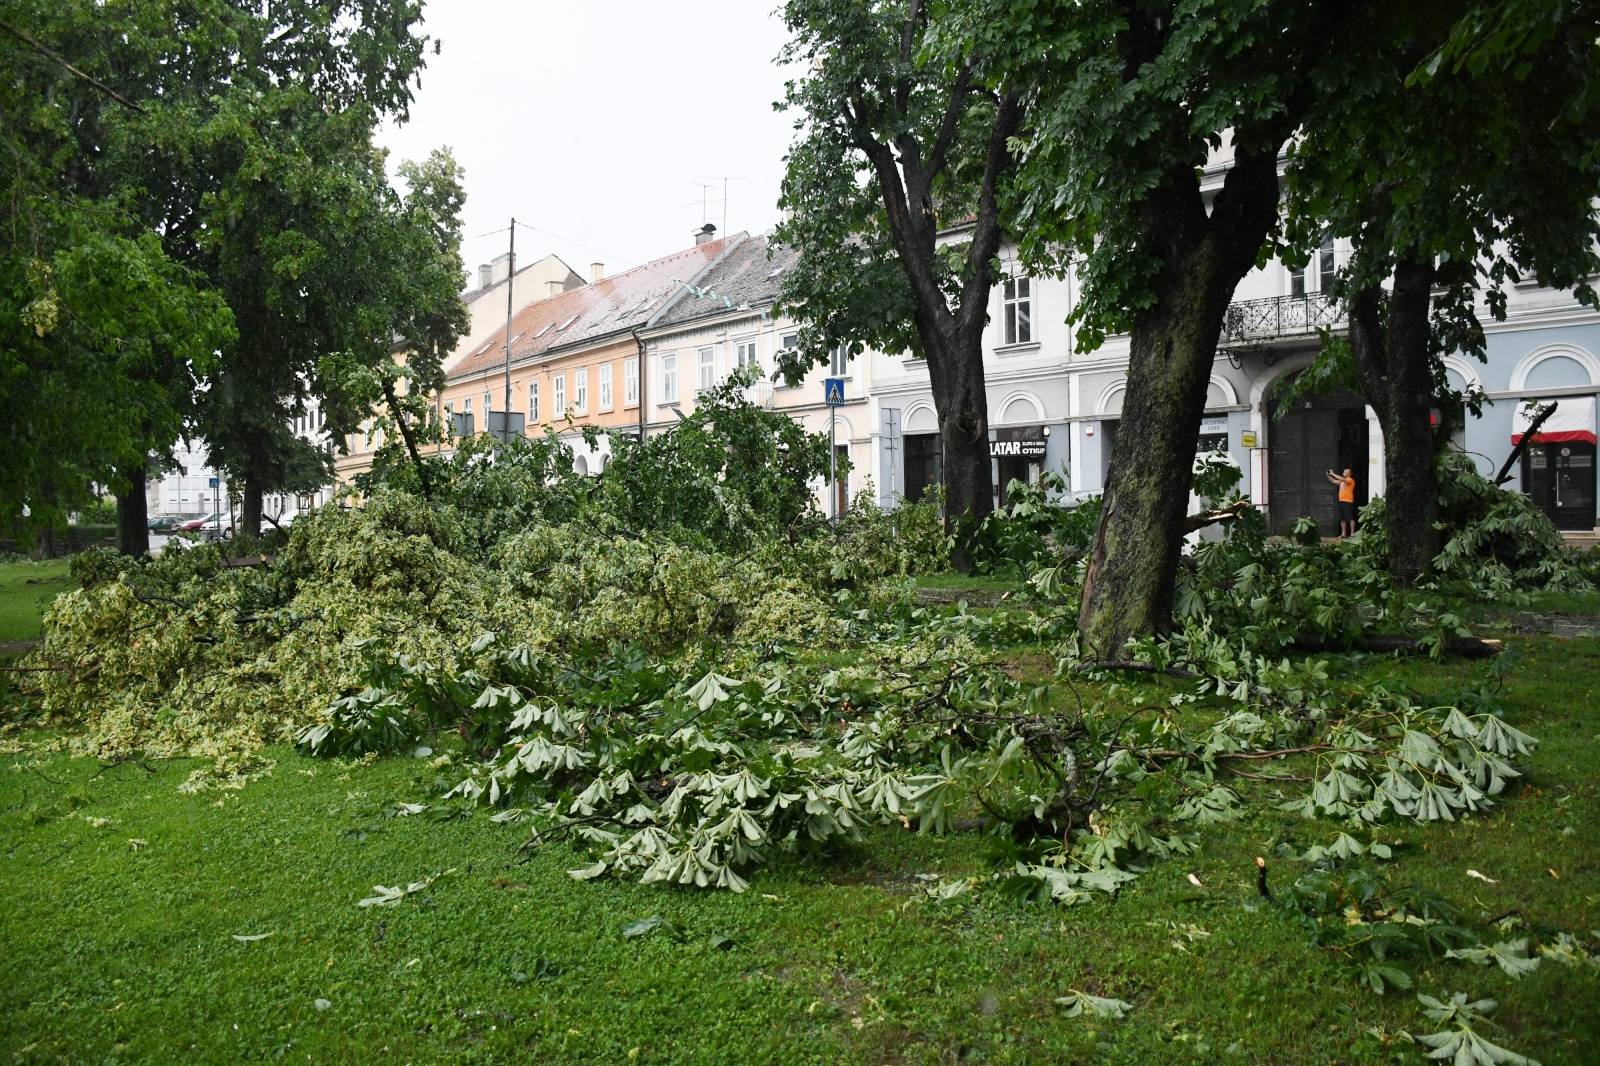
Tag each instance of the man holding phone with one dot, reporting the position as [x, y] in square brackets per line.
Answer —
[1347, 501]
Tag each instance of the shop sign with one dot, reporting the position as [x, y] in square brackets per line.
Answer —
[1247, 439]
[1019, 442]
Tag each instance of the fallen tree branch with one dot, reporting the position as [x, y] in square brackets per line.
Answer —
[1134, 664]
[1201, 519]
[1462, 647]
[1533, 427]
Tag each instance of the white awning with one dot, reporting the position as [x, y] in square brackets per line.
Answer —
[1573, 421]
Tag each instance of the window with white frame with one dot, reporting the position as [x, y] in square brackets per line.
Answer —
[787, 342]
[1017, 295]
[558, 393]
[605, 386]
[669, 378]
[580, 394]
[744, 354]
[1316, 275]
[533, 400]
[467, 406]
[630, 381]
[708, 369]
[487, 406]
[839, 362]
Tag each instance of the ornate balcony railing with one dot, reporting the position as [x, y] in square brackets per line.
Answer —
[1279, 316]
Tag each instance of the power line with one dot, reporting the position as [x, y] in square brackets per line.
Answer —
[480, 236]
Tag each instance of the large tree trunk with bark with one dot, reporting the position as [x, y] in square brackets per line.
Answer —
[133, 514]
[1128, 587]
[963, 405]
[1129, 583]
[1392, 356]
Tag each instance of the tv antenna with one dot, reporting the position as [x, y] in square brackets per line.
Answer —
[711, 183]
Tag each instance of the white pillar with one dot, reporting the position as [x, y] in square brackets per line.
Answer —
[1375, 479]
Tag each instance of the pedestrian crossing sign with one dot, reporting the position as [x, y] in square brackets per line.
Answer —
[833, 392]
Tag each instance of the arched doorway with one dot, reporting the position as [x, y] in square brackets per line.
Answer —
[1308, 437]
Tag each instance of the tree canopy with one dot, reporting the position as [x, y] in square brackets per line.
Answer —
[1452, 180]
[894, 188]
[229, 146]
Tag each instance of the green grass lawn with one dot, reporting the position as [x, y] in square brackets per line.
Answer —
[26, 589]
[119, 936]
[121, 900]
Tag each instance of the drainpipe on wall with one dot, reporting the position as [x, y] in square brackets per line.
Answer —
[641, 378]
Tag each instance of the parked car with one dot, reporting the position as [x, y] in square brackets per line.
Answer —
[164, 523]
[217, 527]
[194, 525]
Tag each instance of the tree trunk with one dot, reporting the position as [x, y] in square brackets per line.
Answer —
[133, 514]
[1392, 357]
[1411, 485]
[1133, 564]
[250, 511]
[963, 405]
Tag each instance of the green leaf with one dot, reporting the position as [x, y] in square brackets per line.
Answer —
[1511, 956]
[711, 689]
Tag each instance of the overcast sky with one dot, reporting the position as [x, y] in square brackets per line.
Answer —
[594, 121]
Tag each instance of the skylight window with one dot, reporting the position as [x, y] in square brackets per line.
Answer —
[567, 323]
[543, 330]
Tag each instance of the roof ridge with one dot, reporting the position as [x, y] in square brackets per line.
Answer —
[598, 300]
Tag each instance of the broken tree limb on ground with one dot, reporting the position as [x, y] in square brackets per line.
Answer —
[1136, 666]
[1462, 647]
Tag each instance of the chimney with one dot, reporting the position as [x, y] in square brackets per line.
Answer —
[705, 234]
[485, 275]
[502, 267]
[556, 288]
[597, 271]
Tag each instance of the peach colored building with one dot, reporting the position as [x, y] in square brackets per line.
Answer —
[486, 311]
[575, 355]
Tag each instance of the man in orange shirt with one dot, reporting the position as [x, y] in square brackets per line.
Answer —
[1347, 501]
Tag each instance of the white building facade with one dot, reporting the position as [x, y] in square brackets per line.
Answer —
[1053, 407]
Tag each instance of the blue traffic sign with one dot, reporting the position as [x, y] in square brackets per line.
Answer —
[833, 392]
[213, 483]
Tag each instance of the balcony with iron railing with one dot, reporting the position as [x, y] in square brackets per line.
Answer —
[1259, 321]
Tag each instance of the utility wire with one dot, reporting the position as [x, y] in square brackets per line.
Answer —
[480, 236]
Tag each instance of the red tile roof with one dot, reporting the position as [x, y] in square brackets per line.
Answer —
[601, 309]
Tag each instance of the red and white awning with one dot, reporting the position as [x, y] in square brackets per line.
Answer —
[1573, 421]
